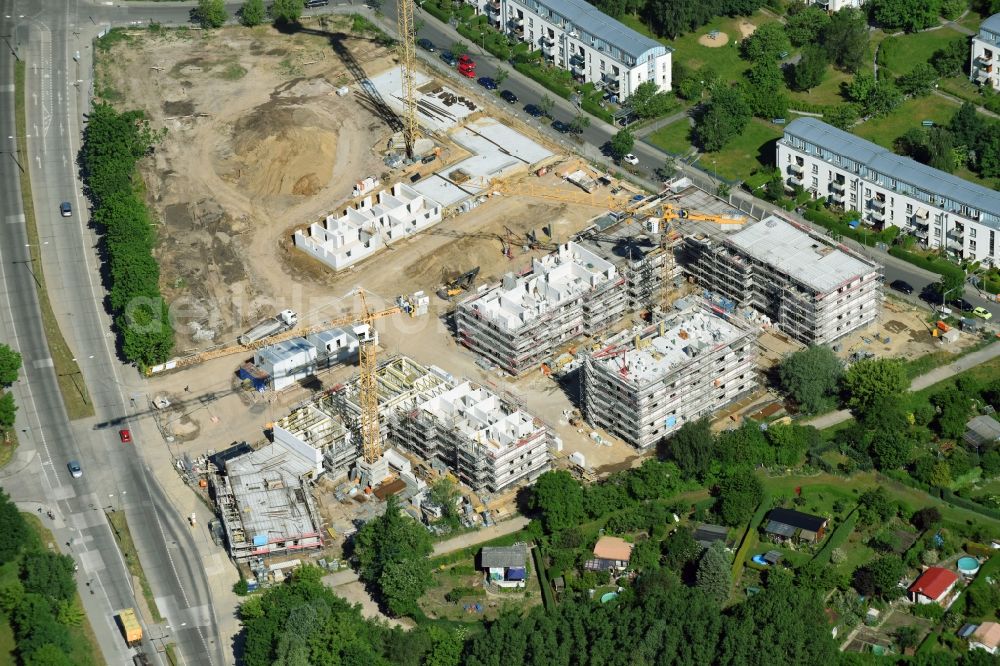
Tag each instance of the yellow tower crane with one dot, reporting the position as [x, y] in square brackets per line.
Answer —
[371, 432]
[408, 37]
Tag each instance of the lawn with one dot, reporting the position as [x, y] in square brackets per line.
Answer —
[884, 131]
[902, 53]
[827, 92]
[724, 60]
[673, 138]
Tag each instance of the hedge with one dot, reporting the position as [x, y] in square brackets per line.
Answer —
[441, 14]
[750, 537]
[539, 75]
[935, 265]
[950, 497]
[595, 109]
[543, 579]
[838, 538]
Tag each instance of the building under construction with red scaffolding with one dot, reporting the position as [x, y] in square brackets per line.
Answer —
[646, 383]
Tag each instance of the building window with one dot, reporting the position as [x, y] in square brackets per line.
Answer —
[972, 245]
[972, 232]
[909, 209]
[815, 168]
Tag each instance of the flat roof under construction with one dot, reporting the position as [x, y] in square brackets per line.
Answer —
[267, 488]
[669, 344]
[810, 259]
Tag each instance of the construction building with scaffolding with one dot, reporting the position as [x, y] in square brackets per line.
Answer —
[518, 323]
[265, 501]
[485, 437]
[808, 286]
[646, 383]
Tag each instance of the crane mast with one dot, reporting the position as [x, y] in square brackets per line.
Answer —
[408, 36]
[371, 432]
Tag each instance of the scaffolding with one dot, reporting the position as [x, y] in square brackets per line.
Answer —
[812, 289]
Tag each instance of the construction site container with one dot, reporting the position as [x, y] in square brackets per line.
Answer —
[129, 624]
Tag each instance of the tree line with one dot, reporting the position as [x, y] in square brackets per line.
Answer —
[10, 366]
[113, 142]
[670, 18]
[37, 594]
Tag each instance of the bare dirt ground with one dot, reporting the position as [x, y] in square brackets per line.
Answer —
[720, 39]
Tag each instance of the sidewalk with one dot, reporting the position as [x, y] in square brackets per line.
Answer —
[923, 381]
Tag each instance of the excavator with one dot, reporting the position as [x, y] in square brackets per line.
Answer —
[456, 286]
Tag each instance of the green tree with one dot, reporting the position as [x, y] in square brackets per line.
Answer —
[287, 11]
[941, 149]
[725, 116]
[579, 123]
[212, 13]
[680, 549]
[842, 116]
[622, 143]
[764, 90]
[446, 646]
[890, 450]
[906, 637]
[909, 15]
[714, 573]
[982, 600]
[10, 365]
[403, 582]
[951, 59]
[846, 39]
[559, 498]
[791, 442]
[13, 527]
[389, 551]
[692, 447]
[48, 573]
[806, 24]
[766, 42]
[649, 102]
[990, 463]
[459, 48]
[8, 410]
[445, 494]
[47, 655]
[745, 446]
[809, 71]
[871, 381]
[501, 75]
[941, 474]
[252, 13]
[811, 377]
[546, 104]
[879, 577]
[668, 169]
[920, 80]
[739, 492]
[645, 556]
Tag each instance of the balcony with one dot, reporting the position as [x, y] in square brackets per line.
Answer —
[981, 61]
[794, 182]
[493, 7]
[837, 197]
[922, 214]
[877, 205]
[548, 47]
[577, 67]
[837, 186]
[922, 232]
[795, 168]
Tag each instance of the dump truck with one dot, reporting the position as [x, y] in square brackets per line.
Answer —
[129, 624]
[285, 320]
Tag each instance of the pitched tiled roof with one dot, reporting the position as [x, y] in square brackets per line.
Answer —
[933, 582]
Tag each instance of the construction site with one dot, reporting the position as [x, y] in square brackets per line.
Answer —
[509, 306]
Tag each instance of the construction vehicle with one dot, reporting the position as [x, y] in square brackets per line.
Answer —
[241, 348]
[130, 627]
[458, 285]
[285, 320]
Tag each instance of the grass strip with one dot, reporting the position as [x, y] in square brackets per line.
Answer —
[8, 445]
[171, 652]
[68, 375]
[119, 525]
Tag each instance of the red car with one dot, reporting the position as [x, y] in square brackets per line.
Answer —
[125, 436]
[468, 72]
[466, 66]
[464, 59]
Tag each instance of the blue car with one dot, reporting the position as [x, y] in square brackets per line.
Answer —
[449, 58]
[533, 111]
[487, 83]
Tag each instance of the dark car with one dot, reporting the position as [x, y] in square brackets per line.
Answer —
[508, 97]
[449, 58]
[534, 111]
[426, 44]
[560, 126]
[65, 209]
[311, 4]
[901, 286]
[963, 305]
[487, 83]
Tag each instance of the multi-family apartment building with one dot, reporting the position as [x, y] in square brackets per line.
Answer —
[517, 324]
[942, 210]
[575, 35]
[984, 65]
[642, 386]
[809, 287]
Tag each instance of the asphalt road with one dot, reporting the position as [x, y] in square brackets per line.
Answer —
[48, 35]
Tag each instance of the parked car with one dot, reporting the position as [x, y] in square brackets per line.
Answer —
[427, 159]
[487, 83]
[982, 313]
[963, 305]
[74, 469]
[426, 45]
[449, 58]
[901, 286]
[464, 59]
[466, 71]
[630, 159]
[125, 435]
[534, 111]
[65, 209]
[508, 97]
[560, 126]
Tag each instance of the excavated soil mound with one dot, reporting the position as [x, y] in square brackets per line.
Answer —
[280, 148]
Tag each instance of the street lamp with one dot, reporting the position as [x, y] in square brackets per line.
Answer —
[944, 295]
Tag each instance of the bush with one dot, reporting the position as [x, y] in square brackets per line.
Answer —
[544, 77]
[459, 593]
[937, 265]
[929, 611]
[440, 13]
